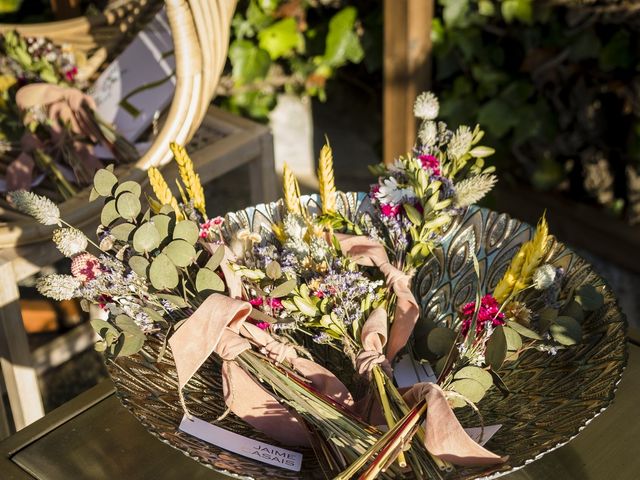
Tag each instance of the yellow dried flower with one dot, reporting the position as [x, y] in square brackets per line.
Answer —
[520, 272]
[326, 179]
[189, 177]
[291, 191]
[162, 191]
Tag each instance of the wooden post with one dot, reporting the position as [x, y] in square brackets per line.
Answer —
[15, 357]
[407, 49]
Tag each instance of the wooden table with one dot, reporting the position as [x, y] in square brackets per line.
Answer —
[93, 437]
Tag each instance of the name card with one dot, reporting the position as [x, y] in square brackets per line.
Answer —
[247, 447]
[408, 371]
[140, 82]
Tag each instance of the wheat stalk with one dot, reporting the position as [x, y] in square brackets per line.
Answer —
[162, 191]
[189, 177]
[327, 179]
[291, 191]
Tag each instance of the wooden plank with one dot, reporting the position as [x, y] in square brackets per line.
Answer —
[407, 49]
[63, 348]
[15, 357]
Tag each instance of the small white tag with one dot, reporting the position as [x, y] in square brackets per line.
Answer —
[247, 447]
[408, 371]
[489, 431]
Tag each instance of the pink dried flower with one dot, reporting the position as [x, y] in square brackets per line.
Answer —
[210, 225]
[256, 302]
[389, 210]
[429, 162]
[85, 267]
[275, 303]
[489, 312]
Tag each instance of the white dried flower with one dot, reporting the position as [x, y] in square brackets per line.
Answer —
[472, 190]
[41, 208]
[460, 142]
[70, 241]
[58, 287]
[426, 106]
[391, 193]
[544, 277]
[428, 133]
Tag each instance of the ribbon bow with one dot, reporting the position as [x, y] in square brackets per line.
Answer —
[368, 252]
[373, 339]
[444, 436]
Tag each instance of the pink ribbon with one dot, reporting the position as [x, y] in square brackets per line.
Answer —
[368, 252]
[218, 326]
[373, 339]
[444, 436]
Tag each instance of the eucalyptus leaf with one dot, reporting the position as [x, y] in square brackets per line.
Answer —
[216, 259]
[187, 230]
[146, 238]
[513, 338]
[139, 265]
[546, 317]
[154, 315]
[175, 300]
[167, 210]
[273, 270]
[589, 298]
[128, 205]
[566, 331]
[476, 373]
[127, 324]
[496, 350]
[129, 186]
[104, 181]
[128, 344]
[208, 280]
[162, 223]
[102, 327]
[284, 289]
[261, 316]
[440, 341]
[93, 195]
[524, 331]
[181, 253]
[572, 309]
[469, 388]
[305, 307]
[100, 346]
[123, 231]
[163, 273]
[109, 213]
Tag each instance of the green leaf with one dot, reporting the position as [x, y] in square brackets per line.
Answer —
[547, 316]
[129, 186]
[495, 116]
[139, 265]
[281, 38]
[440, 341]
[469, 388]
[343, 44]
[261, 316]
[127, 324]
[93, 195]
[305, 307]
[283, 289]
[104, 181]
[496, 350]
[187, 230]
[128, 344]
[163, 224]
[128, 205]
[181, 253]
[123, 231]
[163, 273]
[175, 300]
[412, 213]
[208, 280]
[517, 10]
[455, 12]
[478, 374]
[146, 238]
[566, 331]
[216, 259]
[524, 331]
[109, 213]
[481, 151]
[102, 327]
[154, 315]
[572, 309]
[513, 338]
[273, 270]
[589, 298]
[249, 63]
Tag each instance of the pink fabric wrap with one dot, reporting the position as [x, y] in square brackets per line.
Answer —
[368, 252]
[373, 338]
[218, 326]
[444, 436]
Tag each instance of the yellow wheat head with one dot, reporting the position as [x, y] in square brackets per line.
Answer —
[326, 179]
[520, 272]
[291, 191]
[189, 177]
[162, 191]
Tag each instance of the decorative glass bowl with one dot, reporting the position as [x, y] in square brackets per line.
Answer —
[552, 397]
